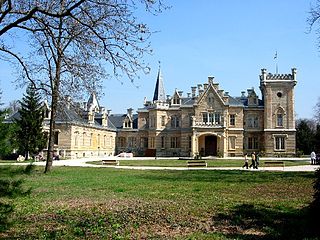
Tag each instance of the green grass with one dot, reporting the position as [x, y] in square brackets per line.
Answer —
[107, 203]
[183, 163]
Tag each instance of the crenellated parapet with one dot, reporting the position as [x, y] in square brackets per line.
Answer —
[278, 77]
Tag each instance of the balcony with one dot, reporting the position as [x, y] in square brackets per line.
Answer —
[208, 124]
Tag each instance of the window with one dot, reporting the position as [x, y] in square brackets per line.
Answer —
[131, 141]
[163, 142]
[253, 122]
[232, 142]
[211, 117]
[83, 138]
[122, 142]
[190, 142]
[56, 138]
[232, 119]
[104, 141]
[175, 122]
[279, 143]
[163, 121]
[217, 118]
[175, 142]
[279, 120]
[152, 122]
[176, 100]
[91, 137]
[152, 142]
[144, 142]
[205, 117]
[98, 140]
[76, 138]
[253, 143]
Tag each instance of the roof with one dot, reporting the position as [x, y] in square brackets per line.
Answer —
[159, 93]
[117, 120]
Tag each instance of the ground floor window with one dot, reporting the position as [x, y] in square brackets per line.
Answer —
[253, 143]
[175, 142]
[279, 143]
[163, 141]
[152, 142]
[232, 142]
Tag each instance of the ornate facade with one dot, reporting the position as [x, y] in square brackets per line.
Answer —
[210, 122]
[206, 122]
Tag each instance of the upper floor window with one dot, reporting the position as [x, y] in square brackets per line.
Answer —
[232, 119]
[176, 100]
[163, 142]
[175, 122]
[279, 120]
[205, 117]
[163, 121]
[253, 122]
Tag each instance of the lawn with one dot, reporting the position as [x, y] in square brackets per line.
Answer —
[107, 203]
[183, 163]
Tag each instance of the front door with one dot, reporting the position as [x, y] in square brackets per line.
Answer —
[210, 146]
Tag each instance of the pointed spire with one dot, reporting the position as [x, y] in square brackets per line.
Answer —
[93, 102]
[159, 93]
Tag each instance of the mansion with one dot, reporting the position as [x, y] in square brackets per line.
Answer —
[206, 122]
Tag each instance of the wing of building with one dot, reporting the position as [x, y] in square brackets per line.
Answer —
[207, 122]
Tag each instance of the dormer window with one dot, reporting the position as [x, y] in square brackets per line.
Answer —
[176, 100]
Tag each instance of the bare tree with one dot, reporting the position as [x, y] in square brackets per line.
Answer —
[313, 19]
[72, 51]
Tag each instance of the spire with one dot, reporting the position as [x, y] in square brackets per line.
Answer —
[93, 103]
[159, 94]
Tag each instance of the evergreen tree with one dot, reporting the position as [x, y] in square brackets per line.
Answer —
[30, 137]
[305, 137]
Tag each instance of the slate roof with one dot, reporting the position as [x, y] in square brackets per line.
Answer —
[159, 93]
[117, 120]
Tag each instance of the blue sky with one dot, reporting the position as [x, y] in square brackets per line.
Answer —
[231, 40]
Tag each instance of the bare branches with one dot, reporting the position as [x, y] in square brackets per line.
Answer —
[21, 13]
[313, 19]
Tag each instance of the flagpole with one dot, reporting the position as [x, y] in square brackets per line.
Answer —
[276, 59]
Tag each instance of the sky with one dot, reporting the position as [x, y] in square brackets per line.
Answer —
[231, 40]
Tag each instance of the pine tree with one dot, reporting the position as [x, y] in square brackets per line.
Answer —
[30, 137]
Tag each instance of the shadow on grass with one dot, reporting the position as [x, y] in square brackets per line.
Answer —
[225, 176]
[11, 188]
[247, 221]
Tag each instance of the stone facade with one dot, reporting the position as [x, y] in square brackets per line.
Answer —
[206, 122]
[210, 122]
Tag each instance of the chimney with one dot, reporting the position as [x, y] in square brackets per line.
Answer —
[68, 101]
[193, 90]
[189, 95]
[180, 93]
[210, 79]
[243, 94]
[205, 86]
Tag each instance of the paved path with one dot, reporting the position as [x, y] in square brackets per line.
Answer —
[83, 163]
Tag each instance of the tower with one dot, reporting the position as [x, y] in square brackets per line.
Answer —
[279, 122]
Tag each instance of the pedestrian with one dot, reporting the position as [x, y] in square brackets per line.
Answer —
[253, 160]
[246, 163]
[257, 160]
[313, 158]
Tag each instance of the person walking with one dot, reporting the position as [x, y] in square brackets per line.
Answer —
[253, 160]
[313, 158]
[246, 162]
[257, 160]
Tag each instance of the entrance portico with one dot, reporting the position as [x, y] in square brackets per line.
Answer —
[207, 144]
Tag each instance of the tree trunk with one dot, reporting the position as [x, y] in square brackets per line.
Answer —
[54, 105]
